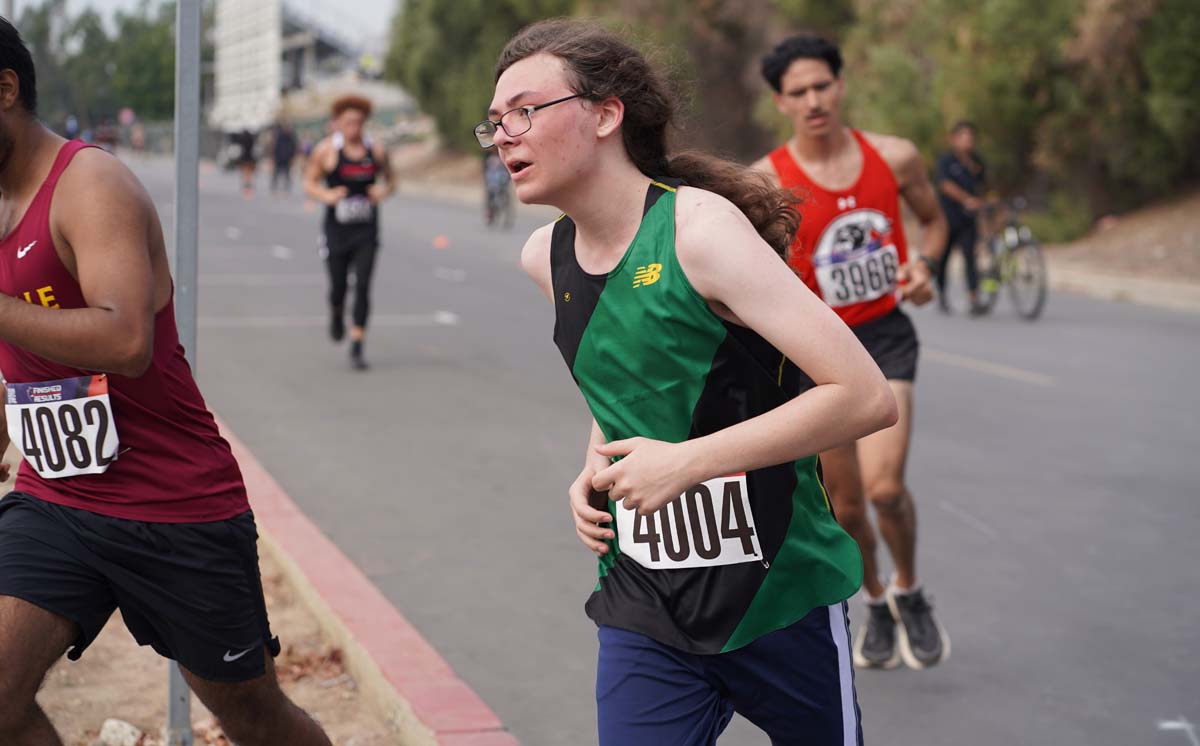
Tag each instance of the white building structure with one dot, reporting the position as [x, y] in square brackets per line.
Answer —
[274, 56]
[248, 65]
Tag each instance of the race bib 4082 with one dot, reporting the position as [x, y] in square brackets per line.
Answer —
[710, 524]
[63, 428]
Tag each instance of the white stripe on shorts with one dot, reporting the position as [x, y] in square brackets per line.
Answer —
[838, 626]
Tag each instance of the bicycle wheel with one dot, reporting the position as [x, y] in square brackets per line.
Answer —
[987, 267]
[1027, 279]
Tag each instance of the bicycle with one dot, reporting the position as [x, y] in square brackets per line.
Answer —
[1011, 256]
[498, 207]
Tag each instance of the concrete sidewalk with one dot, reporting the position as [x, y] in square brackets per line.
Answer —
[1083, 279]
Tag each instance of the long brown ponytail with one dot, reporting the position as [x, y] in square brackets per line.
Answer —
[604, 65]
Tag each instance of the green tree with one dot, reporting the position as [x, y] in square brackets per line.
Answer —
[41, 27]
[143, 62]
[710, 50]
[88, 70]
[444, 53]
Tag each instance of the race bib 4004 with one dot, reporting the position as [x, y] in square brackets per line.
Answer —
[710, 524]
[62, 428]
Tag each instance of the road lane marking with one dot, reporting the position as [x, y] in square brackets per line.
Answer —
[1181, 724]
[233, 233]
[437, 318]
[994, 369]
[279, 251]
[968, 519]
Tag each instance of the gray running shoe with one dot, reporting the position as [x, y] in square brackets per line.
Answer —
[875, 645]
[922, 641]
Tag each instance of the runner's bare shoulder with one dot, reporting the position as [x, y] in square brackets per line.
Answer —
[535, 257]
[767, 168]
[96, 184]
[322, 152]
[899, 154]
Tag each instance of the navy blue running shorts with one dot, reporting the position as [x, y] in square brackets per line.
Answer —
[191, 591]
[797, 684]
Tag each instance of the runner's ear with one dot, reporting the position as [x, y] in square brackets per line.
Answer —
[612, 114]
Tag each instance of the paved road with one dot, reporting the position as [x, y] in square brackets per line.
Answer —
[1055, 468]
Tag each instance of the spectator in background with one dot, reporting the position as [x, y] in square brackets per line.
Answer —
[961, 179]
[106, 136]
[245, 160]
[137, 137]
[284, 146]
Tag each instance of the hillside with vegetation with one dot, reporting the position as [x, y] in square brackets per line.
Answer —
[1087, 107]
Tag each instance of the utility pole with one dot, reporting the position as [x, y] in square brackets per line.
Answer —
[178, 730]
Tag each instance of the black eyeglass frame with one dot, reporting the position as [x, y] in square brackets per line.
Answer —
[499, 123]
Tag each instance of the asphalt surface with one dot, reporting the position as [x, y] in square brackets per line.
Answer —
[1054, 465]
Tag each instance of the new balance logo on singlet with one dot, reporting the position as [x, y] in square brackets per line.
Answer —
[647, 275]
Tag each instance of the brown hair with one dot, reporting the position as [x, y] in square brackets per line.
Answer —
[359, 103]
[603, 65]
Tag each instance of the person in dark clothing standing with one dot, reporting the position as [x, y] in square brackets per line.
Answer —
[283, 151]
[961, 179]
[245, 159]
[357, 177]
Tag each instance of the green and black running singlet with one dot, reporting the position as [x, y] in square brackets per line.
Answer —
[735, 557]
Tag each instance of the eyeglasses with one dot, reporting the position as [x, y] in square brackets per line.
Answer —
[514, 122]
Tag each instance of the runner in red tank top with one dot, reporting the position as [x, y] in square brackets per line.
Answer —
[127, 496]
[851, 249]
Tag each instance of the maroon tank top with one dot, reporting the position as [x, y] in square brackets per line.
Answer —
[172, 465]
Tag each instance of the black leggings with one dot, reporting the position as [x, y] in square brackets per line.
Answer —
[362, 257]
[962, 235]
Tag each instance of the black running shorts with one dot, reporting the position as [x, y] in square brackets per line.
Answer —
[891, 341]
[191, 591]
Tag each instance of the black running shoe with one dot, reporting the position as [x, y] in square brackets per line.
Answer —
[875, 645]
[356, 356]
[337, 326]
[922, 641]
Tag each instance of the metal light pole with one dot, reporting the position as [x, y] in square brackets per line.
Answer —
[10, 10]
[187, 187]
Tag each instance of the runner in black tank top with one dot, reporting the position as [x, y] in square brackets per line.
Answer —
[352, 168]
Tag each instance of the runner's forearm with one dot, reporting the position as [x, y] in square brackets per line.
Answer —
[934, 232]
[826, 416]
[591, 458]
[94, 339]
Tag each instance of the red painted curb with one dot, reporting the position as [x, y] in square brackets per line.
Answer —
[440, 700]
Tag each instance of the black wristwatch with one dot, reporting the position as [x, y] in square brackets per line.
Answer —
[930, 264]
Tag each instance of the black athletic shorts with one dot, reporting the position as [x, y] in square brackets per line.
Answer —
[191, 591]
[891, 341]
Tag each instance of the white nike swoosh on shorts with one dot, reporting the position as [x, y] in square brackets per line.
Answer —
[230, 657]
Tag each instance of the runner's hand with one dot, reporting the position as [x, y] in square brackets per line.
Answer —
[335, 195]
[377, 193]
[651, 474]
[916, 284]
[587, 517]
[5, 472]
